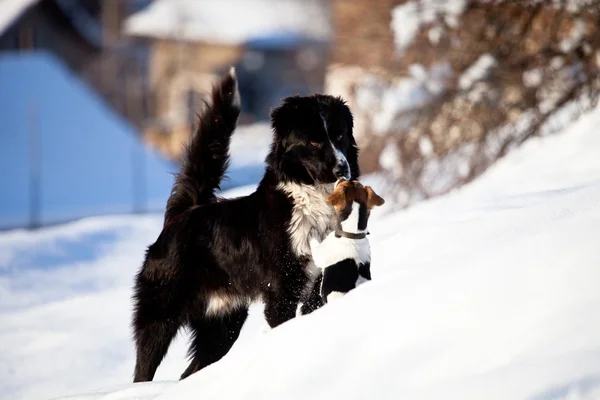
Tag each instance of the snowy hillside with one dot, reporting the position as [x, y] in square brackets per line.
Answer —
[490, 292]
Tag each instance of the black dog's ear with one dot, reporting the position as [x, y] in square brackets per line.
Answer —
[277, 119]
[284, 116]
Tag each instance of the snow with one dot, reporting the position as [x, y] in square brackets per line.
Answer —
[390, 159]
[490, 292]
[572, 6]
[425, 146]
[568, 44]
[396, 103]
[65, 290]
[477, 71]
[249, 148]
[533, 77]
[11, 10]
[382, 105]
[231, 22]
[435, 34]
[440, 175]
[410, 17]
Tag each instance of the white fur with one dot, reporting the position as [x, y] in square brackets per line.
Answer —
[313, 270]
[237, 100]
[361, 280]
[324, 124]
[339, 156]
[311, 216]
[334, 296]
[311, 220]
[333, 250]
[350, 224]
[222, 304]
[341, 159]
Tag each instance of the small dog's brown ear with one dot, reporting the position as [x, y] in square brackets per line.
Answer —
[373, 199]
[338, 199]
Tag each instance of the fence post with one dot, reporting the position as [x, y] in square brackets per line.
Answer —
[35, 150]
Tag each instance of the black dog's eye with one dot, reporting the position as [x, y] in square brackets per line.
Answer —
[339, 138]
[315, 144]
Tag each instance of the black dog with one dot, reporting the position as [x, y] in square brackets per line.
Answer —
[214, 256]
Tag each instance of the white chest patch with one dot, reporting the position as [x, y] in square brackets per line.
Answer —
[311, 216]
[333, 250]
[350, 224]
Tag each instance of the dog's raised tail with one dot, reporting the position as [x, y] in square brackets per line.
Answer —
[206, 158]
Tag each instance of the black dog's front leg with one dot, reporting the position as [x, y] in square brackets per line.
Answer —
[281, 303]
[280, 308]
[314, 300]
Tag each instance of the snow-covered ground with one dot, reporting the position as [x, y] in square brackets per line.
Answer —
[489, 292]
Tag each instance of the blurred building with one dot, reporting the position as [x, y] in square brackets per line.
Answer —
[54, 26]
[86, 36]
[279, 48]
[64, 152]
[72, 93]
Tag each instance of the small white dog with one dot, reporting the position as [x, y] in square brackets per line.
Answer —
[345, 255]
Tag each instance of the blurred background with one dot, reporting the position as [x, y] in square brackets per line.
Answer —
[97, 97]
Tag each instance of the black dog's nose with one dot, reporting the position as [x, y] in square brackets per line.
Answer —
[342, 171]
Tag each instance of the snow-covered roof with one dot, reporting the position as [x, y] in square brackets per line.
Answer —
[10, 10]
[230, 21]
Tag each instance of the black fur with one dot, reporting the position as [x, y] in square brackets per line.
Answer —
[197, 181]
[342, 276]
[239, 248]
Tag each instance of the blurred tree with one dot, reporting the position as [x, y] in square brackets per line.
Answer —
[442, 89]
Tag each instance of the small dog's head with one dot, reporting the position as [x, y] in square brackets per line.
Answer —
[313, 141]
[353, 203]
[348, 192]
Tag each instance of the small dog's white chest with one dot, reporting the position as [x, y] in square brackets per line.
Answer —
[333, 250]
